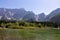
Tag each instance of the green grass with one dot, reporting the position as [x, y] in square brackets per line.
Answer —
[30, 34]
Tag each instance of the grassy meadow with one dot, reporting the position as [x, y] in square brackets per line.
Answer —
[29, 34]
[28, 31]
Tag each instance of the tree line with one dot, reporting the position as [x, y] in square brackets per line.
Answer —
[21, 24]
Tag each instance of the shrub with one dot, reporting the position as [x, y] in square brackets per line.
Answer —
[39, 25]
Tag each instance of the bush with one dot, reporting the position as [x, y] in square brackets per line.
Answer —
[39, 25]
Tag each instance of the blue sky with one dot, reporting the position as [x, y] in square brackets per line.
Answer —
[37, 6]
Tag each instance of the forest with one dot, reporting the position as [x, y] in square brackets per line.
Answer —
[24, 24]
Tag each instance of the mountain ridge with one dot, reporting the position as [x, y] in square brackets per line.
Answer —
[22, 14]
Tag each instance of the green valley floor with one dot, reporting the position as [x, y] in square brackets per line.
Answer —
[29, 34]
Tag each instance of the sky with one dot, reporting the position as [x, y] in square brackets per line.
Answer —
[37, 6]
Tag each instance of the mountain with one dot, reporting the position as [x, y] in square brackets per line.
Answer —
[5, 14]
[12, 13]
[56, 18]
[16, 14]
[41, 17]
[22, 14]
[30, 16]
[52, 14]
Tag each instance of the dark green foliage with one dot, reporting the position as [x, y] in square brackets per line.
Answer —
[21, 24]
[39, 25]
